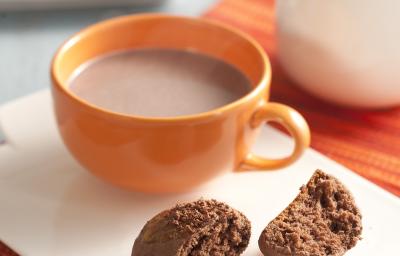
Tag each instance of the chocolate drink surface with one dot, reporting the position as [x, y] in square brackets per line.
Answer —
[158, 82]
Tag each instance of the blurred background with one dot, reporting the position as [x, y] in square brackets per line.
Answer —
[32, 30]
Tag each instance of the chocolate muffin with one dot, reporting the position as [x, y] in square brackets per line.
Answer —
[322, 220]
[203, 227]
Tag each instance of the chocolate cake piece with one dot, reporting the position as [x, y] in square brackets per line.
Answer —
[322, 220]
[203, 227]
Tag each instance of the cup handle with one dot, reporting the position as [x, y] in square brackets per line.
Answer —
[293, 122]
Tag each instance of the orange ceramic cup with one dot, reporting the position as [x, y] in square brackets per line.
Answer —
[161, 155]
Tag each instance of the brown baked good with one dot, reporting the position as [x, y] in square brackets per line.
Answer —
[203, 227]
[322, 220]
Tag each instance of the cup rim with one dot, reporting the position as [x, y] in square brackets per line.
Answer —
[258, 88]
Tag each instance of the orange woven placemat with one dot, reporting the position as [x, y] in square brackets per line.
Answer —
[5, 251]
[367, 142]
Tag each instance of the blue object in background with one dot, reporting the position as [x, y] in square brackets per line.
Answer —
[28, 40]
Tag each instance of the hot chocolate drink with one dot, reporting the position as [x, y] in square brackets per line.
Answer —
[158, 82]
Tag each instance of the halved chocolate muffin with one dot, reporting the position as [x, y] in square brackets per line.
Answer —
[203, 227]
[322, 220]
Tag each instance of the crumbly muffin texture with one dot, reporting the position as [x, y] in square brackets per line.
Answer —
[322, 220]
[200, 228]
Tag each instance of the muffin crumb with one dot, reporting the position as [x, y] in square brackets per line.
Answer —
[203, 227]
[322, 220]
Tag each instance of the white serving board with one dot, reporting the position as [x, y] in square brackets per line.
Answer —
[50, 206]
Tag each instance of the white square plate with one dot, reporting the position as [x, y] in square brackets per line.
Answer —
[51, 206]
